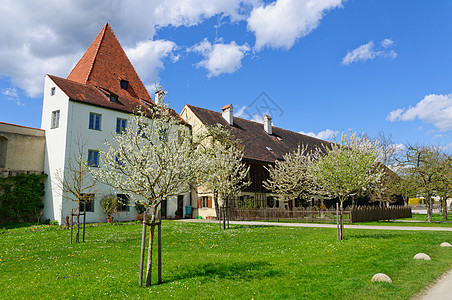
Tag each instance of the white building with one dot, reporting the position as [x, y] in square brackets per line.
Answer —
[92, 103]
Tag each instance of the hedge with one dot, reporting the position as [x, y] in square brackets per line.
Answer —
[21, 198]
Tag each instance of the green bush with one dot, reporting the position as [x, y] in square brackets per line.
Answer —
[21, 198]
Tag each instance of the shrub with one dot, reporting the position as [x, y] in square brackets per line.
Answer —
[21, 198]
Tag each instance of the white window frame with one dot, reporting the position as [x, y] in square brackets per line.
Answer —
[55, 121]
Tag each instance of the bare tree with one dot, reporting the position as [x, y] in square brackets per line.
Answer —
[75, 183]
[151, 160]
[348, 168]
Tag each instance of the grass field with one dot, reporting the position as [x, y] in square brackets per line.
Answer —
[243, 262]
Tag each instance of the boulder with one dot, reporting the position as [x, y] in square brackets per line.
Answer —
[422, 256]
[380, 277]
[445, 245]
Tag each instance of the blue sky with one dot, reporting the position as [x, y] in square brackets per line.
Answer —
[324, 66]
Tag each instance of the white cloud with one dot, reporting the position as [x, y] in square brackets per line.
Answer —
[281, 23]
[220, 58]
[433, 109]
[259, 118]
[12, 95]
[147, 57]
[386, 43]
[368, 52]
[323, 135]
[241, 112]
[50, 36]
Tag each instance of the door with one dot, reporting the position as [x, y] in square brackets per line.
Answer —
[180, 206]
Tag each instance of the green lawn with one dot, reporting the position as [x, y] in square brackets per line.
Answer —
[243, 262]
[420, 218]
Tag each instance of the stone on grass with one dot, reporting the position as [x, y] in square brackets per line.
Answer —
[445, 245]
[422, 256]
[380, 277]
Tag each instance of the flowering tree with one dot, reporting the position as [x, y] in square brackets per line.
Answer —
[151, 160]
[348, 168]
[291, 178]
[222, 169]
[75, 183]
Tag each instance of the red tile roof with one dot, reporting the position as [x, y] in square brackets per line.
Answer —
[105, 64]
[258, 145]
[89, 94]
[99, 73]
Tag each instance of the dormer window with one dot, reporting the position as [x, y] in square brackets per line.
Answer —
[269, 149]
[113, 98]
[124, 84]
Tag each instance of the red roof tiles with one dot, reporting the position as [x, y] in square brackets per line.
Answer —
[98, 74]
[257, 143]
[105, 64]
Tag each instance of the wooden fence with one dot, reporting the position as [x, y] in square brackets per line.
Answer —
[351, 215]
[374, 213]
[280, 214]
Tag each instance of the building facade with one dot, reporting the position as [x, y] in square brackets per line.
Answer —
[263, 144]
[21, 149]
[90, 106]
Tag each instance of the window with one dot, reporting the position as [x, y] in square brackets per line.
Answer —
[94, 121]
[93, 158]
[118, 161]
[120, 125]
[163, 135]
[87, 203]
[270, 202]
[113, 98]
[124, 202]
[205, 201]
[124, 84]
[55, 122]
[52, 91]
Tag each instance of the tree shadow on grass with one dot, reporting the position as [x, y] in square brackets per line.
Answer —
[378, 236]
[233, 270]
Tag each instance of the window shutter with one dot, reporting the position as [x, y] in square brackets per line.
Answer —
[209, 202]
[199, 202]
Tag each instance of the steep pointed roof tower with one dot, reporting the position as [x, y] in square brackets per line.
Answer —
[105, 65]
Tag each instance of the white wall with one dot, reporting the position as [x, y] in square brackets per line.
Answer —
[55, 148]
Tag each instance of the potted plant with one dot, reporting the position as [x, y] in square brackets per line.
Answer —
[176, 214]
[110, 204]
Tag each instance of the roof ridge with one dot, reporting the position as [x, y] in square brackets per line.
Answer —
[189, 105]
[103, 31]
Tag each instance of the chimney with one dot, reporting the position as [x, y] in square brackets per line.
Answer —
[228, 113]
[159, 97]
[268, 124]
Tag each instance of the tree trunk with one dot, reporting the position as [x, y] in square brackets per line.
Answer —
[72, 221]
[84, 222]
[77, 236]
[159, 252]
[224, 218]
[227, 211]
[444, 205]
[428, 198]
[151, 242]
[342, 221]
[143, 242]
[217, 207]
[337, 222]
